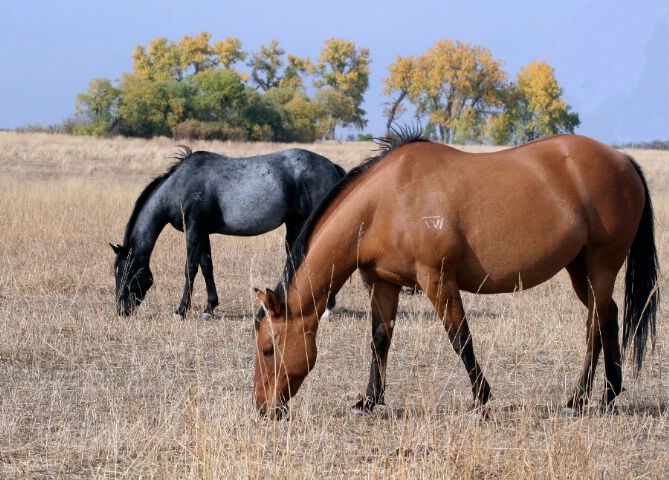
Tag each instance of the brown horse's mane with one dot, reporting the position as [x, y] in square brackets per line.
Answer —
[397, 138]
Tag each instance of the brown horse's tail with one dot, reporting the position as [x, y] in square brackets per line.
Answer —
[641, 293]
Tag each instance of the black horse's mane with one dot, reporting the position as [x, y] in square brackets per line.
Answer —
[397, 138]
[182, 153]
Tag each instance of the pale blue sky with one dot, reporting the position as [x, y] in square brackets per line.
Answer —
[611, 57]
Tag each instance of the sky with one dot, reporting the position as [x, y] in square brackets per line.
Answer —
[611, 57]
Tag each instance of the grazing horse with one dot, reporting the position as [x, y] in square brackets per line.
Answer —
[205, 193]
[426, 214]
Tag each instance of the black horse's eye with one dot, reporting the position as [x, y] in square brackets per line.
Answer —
[269, 351]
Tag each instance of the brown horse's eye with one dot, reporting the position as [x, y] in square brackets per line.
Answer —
[269, 351]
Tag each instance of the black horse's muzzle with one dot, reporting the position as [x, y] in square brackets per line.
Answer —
[125, 307]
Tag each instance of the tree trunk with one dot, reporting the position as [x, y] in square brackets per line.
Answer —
[393, 111]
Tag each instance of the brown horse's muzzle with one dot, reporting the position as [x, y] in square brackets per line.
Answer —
[276, 412]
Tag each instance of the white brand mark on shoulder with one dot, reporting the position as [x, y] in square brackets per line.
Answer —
[434, 222]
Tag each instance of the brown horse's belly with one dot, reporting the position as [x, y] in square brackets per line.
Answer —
[513, 270]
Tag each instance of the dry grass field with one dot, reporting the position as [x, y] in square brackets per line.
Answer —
[86, 394]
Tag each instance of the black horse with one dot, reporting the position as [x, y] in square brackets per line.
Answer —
[205, 193]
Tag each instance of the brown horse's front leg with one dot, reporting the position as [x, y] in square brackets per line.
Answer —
[384, 298]
[448, 303]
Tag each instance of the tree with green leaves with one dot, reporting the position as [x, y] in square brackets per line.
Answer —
[99, 107]
[266, 65]
[190, 89]
[219, 96]
[342, 74]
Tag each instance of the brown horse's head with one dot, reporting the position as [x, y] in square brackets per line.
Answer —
[285, 353]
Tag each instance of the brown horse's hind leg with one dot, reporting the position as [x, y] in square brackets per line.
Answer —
[601, 330]
[578, 273]
[612, 357]
[445, 296]
[384, 298]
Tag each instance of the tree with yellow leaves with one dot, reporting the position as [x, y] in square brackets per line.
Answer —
[453, 78]
[537, 107]
[229, 52]
[463, 93]
[397, 85]
[196, 51]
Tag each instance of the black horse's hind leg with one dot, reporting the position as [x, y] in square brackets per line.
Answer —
[384, 297]
[194, 251]
[208, 273]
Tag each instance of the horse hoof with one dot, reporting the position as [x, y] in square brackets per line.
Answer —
[177, 317]
[568, 413]
[327, 315]
[474, 417]
[356, 412]
[206, 316]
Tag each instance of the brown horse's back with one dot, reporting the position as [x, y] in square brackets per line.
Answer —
[500, 220]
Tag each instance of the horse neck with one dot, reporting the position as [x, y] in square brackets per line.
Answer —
[148, 224]
[331, 258]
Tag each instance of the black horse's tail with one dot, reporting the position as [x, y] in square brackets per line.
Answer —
[641, 290]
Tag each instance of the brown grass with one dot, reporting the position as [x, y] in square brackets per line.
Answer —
[85, 394]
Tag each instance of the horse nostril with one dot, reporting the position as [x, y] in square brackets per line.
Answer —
[279, 412]
[123, 310]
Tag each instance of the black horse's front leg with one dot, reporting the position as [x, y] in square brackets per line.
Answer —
[194, 249]
[207, 267]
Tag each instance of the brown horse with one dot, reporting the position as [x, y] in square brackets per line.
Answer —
[430, 215]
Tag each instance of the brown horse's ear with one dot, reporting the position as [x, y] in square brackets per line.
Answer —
[269, 301]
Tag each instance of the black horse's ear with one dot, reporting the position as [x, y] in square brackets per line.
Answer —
[118, 249]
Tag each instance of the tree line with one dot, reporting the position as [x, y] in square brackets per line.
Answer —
[198, 89]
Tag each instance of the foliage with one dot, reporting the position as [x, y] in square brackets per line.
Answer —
[342, 75]
[452, 78]
[219, 96]
[192, 129]
[398, 83]
[463, 94]
[97, 107]
[536, 107]
[229, 52]
[265, 65]
[191, 89]
[653, 145]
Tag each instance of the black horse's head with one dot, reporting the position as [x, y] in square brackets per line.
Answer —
[133, 280]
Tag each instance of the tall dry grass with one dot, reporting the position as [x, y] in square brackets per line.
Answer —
[85, 394]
